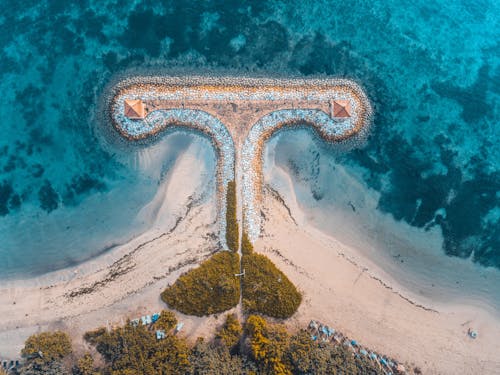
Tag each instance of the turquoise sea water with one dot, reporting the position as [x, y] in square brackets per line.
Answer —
[431, 70]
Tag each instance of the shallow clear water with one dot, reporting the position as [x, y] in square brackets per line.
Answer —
[431, 70]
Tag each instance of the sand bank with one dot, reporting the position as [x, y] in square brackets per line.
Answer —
[342, 288]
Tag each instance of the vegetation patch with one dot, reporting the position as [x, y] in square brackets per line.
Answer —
[246, 245]
[47, 347]
[232, 231]
[260, 348]
[268, 345]
[209, 289]
[136, 350]
[230, 332]
[45, 352]
[166, 322]
[267, 290]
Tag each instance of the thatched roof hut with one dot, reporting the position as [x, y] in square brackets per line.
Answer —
[134, 109]
[341, 108]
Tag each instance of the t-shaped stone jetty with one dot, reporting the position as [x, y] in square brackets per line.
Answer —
[239, 114]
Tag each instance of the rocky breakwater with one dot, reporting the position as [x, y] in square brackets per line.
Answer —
[158, 120]
[245, 111]
[326, 126]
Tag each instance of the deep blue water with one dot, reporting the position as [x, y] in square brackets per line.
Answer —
[431, 70]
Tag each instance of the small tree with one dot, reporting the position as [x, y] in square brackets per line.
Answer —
[85, 366]
[207, 358]
[268, 345]
[230, 332]
[166, 321]
[46, 347]
[302, 352]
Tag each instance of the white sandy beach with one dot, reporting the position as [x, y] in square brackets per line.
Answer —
[339, 290]
[344, 287]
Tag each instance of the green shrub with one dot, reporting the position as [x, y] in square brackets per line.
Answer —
[232, 231]
[131, 350]
[268, 345]
[47, 347]
[166, 321]
[302, 354]
[211, 288]
[85, 366]
[266, 289]
[230, 332]
[208, 358]
[246, 245]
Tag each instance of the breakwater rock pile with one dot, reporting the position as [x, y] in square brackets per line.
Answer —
[239, 114]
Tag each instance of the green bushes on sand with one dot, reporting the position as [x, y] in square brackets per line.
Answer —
[135, 350]
[85, 366]
[232, 231]
[166, 321]
[268, 345]
[260, 348]
[211, 288]
[230, 332]
[52, 346]
[246, 245]
[267, 290]
[44, 353]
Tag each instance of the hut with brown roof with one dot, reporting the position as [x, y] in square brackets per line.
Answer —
[341, 108]
[134, 109]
